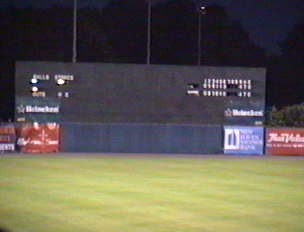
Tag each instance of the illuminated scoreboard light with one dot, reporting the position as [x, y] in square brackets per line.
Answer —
[38, 82]
[216, 87]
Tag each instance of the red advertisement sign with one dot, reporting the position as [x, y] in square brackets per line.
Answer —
[286, 141]
[7, 138]
[39, 138]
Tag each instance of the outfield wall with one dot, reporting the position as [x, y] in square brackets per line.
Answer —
[141, 138]
[151, 138]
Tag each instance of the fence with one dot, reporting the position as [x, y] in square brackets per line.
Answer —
[151, 138]
[141, 138]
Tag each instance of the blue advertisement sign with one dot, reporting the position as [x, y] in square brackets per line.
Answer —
[243, 140]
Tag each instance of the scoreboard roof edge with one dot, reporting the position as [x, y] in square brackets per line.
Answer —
[132, 64]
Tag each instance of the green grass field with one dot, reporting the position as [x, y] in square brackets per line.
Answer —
[160, 194]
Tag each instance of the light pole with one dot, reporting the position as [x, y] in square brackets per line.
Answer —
[74, 59]
[201, 11]
[149, 33]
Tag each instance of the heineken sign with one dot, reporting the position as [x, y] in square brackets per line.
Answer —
[243, 113]
[22, 109]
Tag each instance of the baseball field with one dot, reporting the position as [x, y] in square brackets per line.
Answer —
[151, 193]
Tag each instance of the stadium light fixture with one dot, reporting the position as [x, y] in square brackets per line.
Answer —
[74, 58]
[201, 11]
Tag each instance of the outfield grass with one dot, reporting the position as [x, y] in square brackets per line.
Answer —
[63, 194]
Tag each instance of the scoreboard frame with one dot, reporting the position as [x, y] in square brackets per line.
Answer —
[138, 93]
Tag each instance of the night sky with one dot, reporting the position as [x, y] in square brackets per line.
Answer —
[267, 22]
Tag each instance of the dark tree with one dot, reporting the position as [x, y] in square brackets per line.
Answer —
[7, 32]
[225, 42]
[175, 26]
[41, 34]
[126, 26]
[174, 33]
[293, 58]
[288, 116]
[286, 73]
[93, 44]
[293, 46]
[47, 35]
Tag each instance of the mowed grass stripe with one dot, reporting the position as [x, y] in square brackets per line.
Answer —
[152, 194]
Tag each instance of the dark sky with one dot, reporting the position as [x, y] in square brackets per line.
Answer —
[267, 21]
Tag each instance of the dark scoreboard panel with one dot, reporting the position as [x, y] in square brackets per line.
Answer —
[132, 93]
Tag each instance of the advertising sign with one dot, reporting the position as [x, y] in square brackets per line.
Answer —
[7, 138]
[30, 109]
[243, 140]
[286, 141]
[35, 138]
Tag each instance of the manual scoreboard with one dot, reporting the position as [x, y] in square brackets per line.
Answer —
[137, 93]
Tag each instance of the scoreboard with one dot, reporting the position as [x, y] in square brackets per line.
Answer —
[138, 93]
[222, 88]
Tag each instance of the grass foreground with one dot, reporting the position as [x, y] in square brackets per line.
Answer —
[152, 194]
